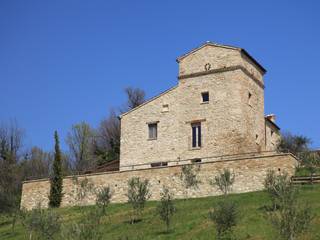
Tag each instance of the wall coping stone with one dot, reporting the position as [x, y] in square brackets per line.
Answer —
[172, 166]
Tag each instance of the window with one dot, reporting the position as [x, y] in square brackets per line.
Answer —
[257, 139]
[153, 130]
[159, 164]
[205, 97]
[249, 98]
[196, 135]
[165, 108]
[196, 160]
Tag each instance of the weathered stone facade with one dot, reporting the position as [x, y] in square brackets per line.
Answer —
[232, 121]
[250, 171]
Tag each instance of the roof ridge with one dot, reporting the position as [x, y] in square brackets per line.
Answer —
[208, 43]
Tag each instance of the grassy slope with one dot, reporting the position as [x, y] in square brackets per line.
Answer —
[190, 222]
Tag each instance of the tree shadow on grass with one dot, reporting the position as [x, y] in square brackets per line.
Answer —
[268, 208]
[131, 222]
[164, 232]
[6, 222]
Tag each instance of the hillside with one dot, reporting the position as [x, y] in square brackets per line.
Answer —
[190, 222]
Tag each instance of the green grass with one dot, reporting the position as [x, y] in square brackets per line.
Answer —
[303, 171]
[190, 222]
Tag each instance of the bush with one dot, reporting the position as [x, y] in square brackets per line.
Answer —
[166, 207]
[291, 218]
[138, 194]
[278, 187]
[225, 217]
[103, 197]
[224, 181]
[293, 143]
[83, 188]
[88, 229]
[189, 177]
[45, 224]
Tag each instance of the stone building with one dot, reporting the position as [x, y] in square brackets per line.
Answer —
[217, 108]
[214, 118]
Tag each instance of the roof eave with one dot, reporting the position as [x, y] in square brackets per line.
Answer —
[253, 60]
[272, 123]
[146, 102]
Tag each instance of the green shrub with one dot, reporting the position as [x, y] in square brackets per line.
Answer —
[84, 187]
[225, 216]
[292, 219]
[189, 177]
[103, 197]
[89, 228]
[278, 187]
[40, 223]
[289, 217]
[138, 194]
[166, 207]
[224, 181]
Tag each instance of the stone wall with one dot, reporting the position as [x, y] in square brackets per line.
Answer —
[250, 172]
[273, 136]
[136, 148]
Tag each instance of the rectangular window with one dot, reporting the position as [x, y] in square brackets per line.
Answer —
[205, 97]
[165, 108]
[159, 164]
[196, 160]
[153, 129]
[196, 135]
[249, 98]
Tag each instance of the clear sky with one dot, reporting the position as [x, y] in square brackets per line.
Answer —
[66, 61]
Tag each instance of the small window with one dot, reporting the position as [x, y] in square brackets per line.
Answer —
[249, 98]
[205, 97]
[153, 129]
[165, 108]
[272, 133]
[196, 160]
[196, 135]
[159, 164]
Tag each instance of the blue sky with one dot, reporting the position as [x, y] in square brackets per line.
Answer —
[62, 62]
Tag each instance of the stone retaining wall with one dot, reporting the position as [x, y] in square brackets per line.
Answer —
[249, 172]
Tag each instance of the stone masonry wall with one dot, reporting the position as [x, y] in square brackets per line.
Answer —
[250, 173]
[136, 148]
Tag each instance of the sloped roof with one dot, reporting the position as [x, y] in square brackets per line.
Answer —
[272, 122]
[208, 43]
[150, 100]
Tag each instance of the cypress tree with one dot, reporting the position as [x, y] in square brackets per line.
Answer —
[56, 177]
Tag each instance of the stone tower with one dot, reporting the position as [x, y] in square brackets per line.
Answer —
[217, 108]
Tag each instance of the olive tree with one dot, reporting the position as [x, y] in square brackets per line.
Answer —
[138, 194]
[189, 177]
[41, 223]
[166, 207]
[224, 181]
[289, 216]
[103, 197]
